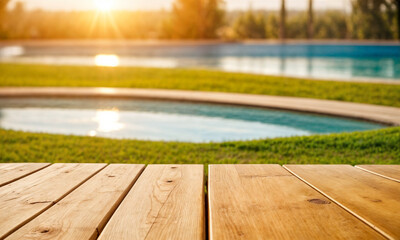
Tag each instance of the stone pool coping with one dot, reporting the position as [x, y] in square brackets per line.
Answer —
[374, 113]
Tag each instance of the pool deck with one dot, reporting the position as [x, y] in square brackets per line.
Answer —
[368, 112]
[261, 201]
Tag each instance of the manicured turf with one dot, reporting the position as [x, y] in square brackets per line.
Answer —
[371, 147]
[379, 147]
[204, 80]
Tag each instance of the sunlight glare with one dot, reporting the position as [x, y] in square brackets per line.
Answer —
[104, 60]
[104, 90]
[104, 5]
[108, 121]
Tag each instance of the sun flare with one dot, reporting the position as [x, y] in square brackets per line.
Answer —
[104, 5]
[106, 60]
[108, 121]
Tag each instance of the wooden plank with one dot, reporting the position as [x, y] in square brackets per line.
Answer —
[83, 213]
[10, 172]
[391, 172]
[373, 199]
[22, 200]
[267, 202]
[167, 202]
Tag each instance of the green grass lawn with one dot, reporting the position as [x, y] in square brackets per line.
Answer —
[370, 147]
[204, 80]
[379, 146]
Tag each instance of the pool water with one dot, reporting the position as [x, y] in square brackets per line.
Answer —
[321, 61]
[164, 121]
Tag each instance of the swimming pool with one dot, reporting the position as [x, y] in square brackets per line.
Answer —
[164, 121]
[321, 61]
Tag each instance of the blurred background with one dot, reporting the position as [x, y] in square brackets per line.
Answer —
[200, 19]
[341, 50]
[347, 40]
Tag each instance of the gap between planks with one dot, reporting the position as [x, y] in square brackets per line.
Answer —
[164, 201]
[84, 212]
[368, 223]
[239, 190]
[6, 178]
[207, 202]
[362, 167]
[26, 217]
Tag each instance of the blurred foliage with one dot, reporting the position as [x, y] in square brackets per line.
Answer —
[3, 5]
[296, 26]
[272, 27]
[53, 25]
[39, 24]
[330, 24]
[374, 19]
[195, 19]
[250, 25]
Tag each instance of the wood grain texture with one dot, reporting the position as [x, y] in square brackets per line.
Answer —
[166, 202]
[22, 200]
[83, 213]
[10, 172]
[387, 171]
[372, 198]
[267, 202]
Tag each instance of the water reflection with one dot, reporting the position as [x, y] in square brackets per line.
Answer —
[106, 60]
[141, 125]
[11, 51]
[168, 121]
[352, 62]
[324, 68]
[108, 121]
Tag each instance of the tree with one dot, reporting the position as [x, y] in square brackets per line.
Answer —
[272, 26]
[331, 24]
[373, 19]
[249, 25]
[194, 19]
[283, 20]
[296, 26]
[3, 6]
[310, 25]
[398, 19]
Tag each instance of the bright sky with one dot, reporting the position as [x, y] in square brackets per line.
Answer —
[158, 4]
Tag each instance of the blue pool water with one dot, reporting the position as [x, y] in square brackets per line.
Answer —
[324, 61]
[167, 121]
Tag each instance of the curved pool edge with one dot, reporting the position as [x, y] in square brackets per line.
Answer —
[368, 112]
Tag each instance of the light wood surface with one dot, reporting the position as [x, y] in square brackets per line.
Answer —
[166, 202]
[374, 199]
[83, 213]
[26, 198]
[388, 171]
[10, 172]
[89, 201]
[267, 202]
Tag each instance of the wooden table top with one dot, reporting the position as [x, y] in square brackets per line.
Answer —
[254, 201]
